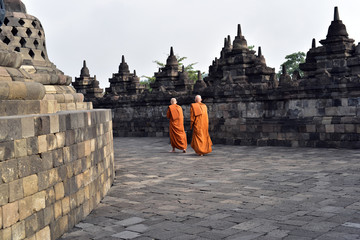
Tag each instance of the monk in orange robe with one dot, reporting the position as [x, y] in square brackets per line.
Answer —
[201, 141]
[176, 128]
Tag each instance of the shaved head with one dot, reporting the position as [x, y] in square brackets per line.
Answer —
[198, 98]
[173, 101]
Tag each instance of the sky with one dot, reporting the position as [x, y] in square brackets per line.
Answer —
[101, 31]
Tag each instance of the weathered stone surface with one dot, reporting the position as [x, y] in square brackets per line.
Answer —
[59, 191]
[44, 234]
[39, 184]
[1, 218]
[48, 215]
[7, 150]
[31, 225]
[38, 201]
[18, 230]
[87, 85]
[65, 204]
[8, 170]
[30, 185]
[25, 207]
[59, 228]
[32, 146]
[20, 147]
[244, 97]
[32, 167]
[4, 193]
[42, 143]
[16, 190]
[57, 210]
[245, 193]
[10, 214]
[27, 126]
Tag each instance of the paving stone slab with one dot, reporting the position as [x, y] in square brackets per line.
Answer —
[130, 221]
[235, 192]
[126, 235]
[138, 228]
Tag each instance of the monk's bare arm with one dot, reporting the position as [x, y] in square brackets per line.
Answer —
[168, 113]
[192, 118]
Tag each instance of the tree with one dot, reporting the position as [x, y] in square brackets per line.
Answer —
[192, 73]
[292, 63]
[251, 47]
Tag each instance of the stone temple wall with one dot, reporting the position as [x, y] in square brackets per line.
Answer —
[56, 152]
[305, 122]
[54, 169]
[275, 119]
[247, 104]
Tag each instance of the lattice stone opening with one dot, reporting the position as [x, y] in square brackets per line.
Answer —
[31, 53]
[17, 49]
[28, 32]
[14, 31]
[22, 42]
[36, 43]
[21, 22]
[34, 24]
[43, 55]
[6, 40]
[39, 33]
[6, 21]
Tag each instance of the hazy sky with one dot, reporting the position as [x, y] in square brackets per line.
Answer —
[100, 31]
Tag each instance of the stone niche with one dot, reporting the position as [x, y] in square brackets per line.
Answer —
[56, 152]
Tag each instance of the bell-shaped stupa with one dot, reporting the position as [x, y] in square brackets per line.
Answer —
[23, 36]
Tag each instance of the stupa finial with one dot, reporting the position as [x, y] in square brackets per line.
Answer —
[171, 51]
[336, 14]
[84, 70]
[313, 45]
[239, 30]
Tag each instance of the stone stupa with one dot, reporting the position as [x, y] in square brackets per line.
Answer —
[56, 152]
[24, 61]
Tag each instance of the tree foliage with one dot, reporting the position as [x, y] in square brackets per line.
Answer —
[251, 47]
[292, 63]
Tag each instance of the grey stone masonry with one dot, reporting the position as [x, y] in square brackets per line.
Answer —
[87, 85]
[239, 67]
[54, 169]
[235, 192]
[56, 162]
[169, 78]
[248, 106]
[124, 82]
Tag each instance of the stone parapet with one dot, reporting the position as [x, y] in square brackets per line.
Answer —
[54, 169]
[327, 116]
[19, 107]
[30, 107]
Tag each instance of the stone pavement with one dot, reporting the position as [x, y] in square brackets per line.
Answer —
[235, 192]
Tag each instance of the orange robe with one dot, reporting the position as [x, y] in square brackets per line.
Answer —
[176, 128]
[201, 141]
